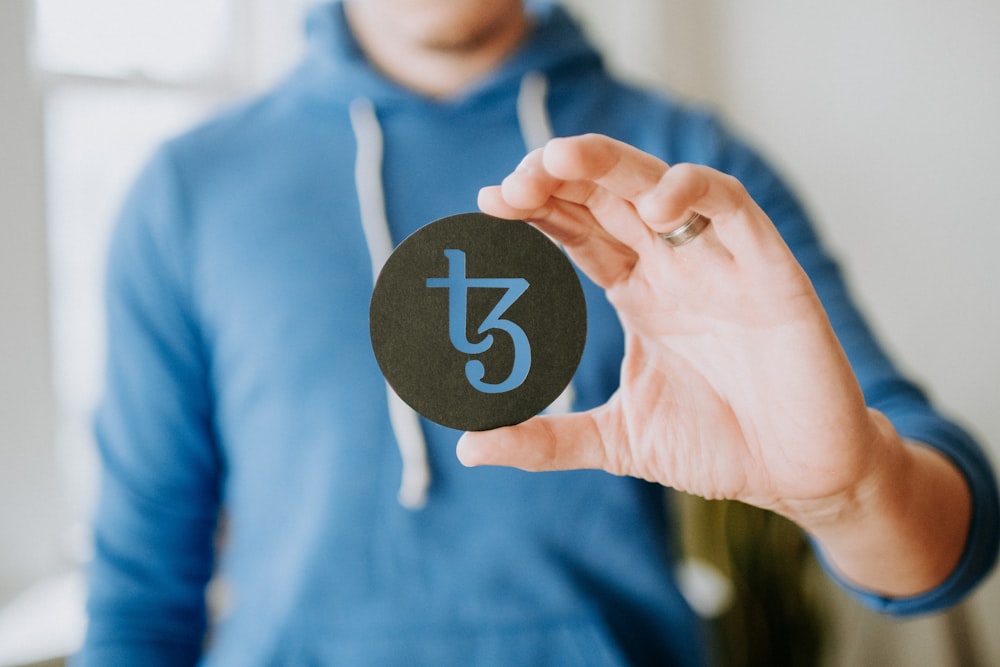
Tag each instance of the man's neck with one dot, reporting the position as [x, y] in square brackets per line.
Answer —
[436, 65]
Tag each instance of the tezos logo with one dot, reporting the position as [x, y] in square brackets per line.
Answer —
[478, 322]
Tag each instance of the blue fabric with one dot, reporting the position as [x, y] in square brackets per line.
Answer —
[241, 383]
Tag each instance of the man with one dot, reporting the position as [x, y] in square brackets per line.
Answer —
[241, 379]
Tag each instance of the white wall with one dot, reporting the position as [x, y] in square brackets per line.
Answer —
[886, 114]
[885, 117]
[30, 500]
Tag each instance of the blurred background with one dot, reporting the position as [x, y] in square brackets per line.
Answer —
[882, 115]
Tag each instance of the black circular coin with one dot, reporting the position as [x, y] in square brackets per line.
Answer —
[478, 322]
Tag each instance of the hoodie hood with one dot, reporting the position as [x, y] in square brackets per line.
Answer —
[336, 67]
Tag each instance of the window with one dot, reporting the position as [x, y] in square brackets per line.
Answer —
[119, 76]
[116, 77]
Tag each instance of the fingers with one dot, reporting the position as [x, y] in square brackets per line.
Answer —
[550, 442]
[531, 193]
[663, 197]
[620, 168]
[610, 175]
[531, 187]
[737, 222]
[602, 257]
[606, 202]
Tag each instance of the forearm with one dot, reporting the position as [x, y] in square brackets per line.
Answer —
[901, 531]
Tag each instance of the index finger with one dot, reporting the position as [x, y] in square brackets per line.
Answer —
[616, 166]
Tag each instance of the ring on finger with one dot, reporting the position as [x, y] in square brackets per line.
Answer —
[686, 233]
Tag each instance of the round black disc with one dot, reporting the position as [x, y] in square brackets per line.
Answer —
[478, 322]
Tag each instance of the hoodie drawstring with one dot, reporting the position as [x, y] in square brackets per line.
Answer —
[416, 477]
[536, 130]
[532, 113]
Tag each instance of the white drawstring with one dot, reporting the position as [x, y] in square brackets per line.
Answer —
[532, 114]
[536, 130]
[416, 477]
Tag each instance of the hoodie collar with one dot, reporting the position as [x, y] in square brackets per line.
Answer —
[335, 65]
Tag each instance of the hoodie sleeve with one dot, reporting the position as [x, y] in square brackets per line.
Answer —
[159, 495]
[885, 388]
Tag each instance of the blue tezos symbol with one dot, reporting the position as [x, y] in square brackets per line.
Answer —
[458, 285]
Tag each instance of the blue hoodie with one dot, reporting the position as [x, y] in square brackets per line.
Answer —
[241, 384]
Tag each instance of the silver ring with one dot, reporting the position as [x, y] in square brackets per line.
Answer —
[695, 225]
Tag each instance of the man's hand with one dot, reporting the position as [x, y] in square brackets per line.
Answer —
[733, 384]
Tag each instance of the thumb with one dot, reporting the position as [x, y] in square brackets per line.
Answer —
[546, 442]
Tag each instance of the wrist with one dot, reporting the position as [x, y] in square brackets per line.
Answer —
[901, 528]
[871, 482]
